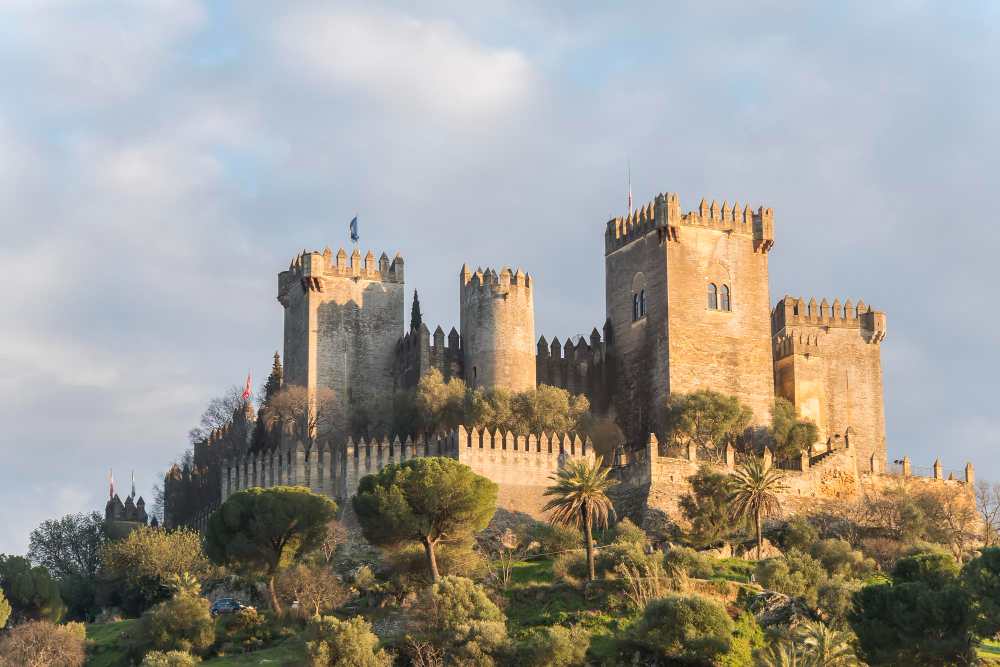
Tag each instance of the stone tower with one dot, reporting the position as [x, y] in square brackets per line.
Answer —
[342, 322]
[687, 303]
[497, 322]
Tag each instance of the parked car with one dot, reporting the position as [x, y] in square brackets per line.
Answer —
[227, 606]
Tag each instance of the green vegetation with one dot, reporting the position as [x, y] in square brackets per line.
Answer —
[790, 434]
[578, 498]
[30, 590]
[754, 487]
[336, 643]
[707, 419]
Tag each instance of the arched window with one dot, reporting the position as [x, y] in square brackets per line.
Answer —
[635, 307]
[642, 303]
[724, 294]
[713, 297]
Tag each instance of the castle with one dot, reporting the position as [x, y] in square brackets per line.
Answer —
[687, 307]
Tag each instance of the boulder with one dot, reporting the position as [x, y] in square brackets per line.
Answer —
[772, 608]
[725, 551]
[748, 550]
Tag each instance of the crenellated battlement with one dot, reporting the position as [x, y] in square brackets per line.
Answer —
[796, 343]
[792, 312]
[664, 214]
[419, 350]
[505, 282]
[311, 269]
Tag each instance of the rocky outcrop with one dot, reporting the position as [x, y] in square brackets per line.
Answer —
[772, 608]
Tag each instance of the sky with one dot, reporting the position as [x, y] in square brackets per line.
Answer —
[162, 160]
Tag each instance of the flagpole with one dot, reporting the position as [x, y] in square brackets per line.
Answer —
[630, 187]
[357, 242]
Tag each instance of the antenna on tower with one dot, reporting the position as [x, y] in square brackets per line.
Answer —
[630, 187]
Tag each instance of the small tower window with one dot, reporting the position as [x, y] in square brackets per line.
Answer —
[724, 297]
[713, 297]
[642, 303]
[635, 307]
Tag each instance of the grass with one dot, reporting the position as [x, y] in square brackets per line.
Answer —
[105, 638]
[290, 652]
[989, 651]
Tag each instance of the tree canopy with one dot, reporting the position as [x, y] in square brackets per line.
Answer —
[579, 498]
[30, 590]
[416, 319]
[792, 434]
[260, 531]
[706, 418]
[423, 500]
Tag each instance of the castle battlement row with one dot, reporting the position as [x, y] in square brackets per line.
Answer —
[791, 311]
[489, 279]
[311, 269]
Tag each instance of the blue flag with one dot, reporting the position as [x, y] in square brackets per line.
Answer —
[354, 229]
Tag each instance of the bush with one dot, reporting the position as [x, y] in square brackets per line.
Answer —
[628, 532]
[707, 507]
[570, 566]
[689, 626]
[556, 647]
[77, 629]
[182, 623]
[922, 547]
[685, 560]
[244, 619]
[30, 590]
[630, 554]
[335, 643]
[315, 588]
[459, 619]
[837, 557]
[168, 659]
[799, 534]
[364, 580]
[405, 569]
[557, 538]
[40, 643]
[834, 598]
[936, 571]
[795, 574]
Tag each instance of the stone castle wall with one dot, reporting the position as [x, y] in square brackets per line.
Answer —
[579, 368]
[416, 354]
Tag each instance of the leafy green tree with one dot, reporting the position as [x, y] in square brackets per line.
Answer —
[351, 643]
[423, 500]
[491, 408]
[579, 498]
[799, 533]
[685, 626]
[70, 548]
[837, 557]
[458, 619]
[416, 319]
[261, 531]
[548, 409]
[795, 573]
[168, 659]
[182, 623]
[136, 569]
[556, 646]
[274, 379]
[706, 418]
[4, 609]
[707, 507]
[755, 485]
[981, 577]
[30, 590]
[792, 434]
[922, 618]
[438, 404]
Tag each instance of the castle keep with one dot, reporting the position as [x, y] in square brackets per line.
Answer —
[687, 307]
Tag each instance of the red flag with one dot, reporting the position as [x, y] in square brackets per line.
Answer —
[246, 392]
[112, 495]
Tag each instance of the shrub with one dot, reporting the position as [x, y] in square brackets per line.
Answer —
[40, 643]
[244, 619]
[556, 647]
[626, 531]
[630, 554]
[936, 571]
[799, 534]
[834, 597]
[30, 590]
[458, 618]
[570, 566]
[837, 557]
[689, 626]
[77, 629]
[557, 538]
[168, 659]
[182, 623]
[921, 547]
[335, 643]
[795, 574]
[405, 569]
[707, 507]
[364, 580]
[315, 588]
[685, 560]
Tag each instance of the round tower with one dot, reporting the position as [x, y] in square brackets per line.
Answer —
[497, 319]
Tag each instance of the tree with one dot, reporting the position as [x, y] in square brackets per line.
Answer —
[415, 318]
[922, 618]
[981, 577]
[490, 409]
[548, 409]
[707, 507]
[4, 609]
[756, 485]
[423, 500]
[951, 517]
[987, 499]
[308, 414]
[682, 626]
[218, 413]
[708, 419]
[350, 643]
[137, 569]
[578, 497]
[273, 384]
[168, 659]
[607, 437]
[70, 548]
[260, 531]
[791, 434]
[458, 619]
[315, 588]
[182, 623]
[40, 644]
[438, 404]
[31, 592]
[795, 573]
[337, 533]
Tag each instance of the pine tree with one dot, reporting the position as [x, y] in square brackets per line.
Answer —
[273, 383]
[415, 318]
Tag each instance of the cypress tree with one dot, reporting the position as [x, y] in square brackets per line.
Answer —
[415, 317]
[274, 379]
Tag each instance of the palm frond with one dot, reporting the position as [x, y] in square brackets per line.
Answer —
[578, 484]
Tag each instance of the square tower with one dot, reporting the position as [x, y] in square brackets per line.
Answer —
[688, 307]
[342, 322]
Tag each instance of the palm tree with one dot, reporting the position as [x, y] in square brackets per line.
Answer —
[184, 584]
[756, 484]
[579, 498]
[826, 647]
[780, 654]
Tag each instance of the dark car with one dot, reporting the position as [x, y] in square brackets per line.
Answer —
[227, 606]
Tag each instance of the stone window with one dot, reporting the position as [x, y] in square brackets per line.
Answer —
[713, 297]
[724, 298]
[635, 307]
[638, 297]
[642, 303]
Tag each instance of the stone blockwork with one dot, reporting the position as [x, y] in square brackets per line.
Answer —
[578, 368]
[828, 362]
[416, 354]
